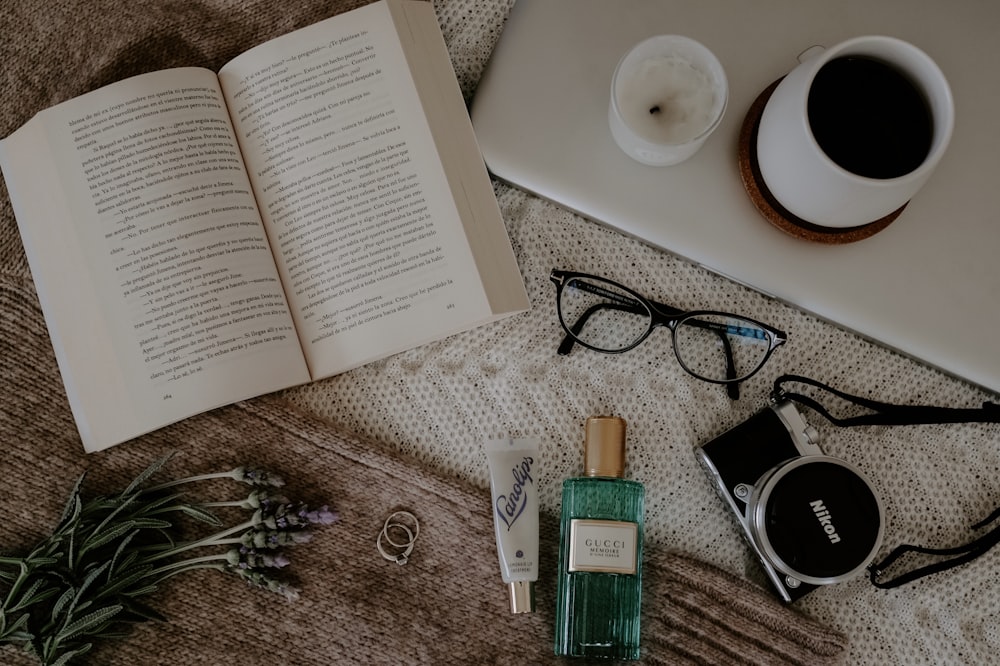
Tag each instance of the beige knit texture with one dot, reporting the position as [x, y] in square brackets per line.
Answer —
[355, 607]
[420, 417]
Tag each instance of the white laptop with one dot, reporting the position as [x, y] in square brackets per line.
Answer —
[928, 285]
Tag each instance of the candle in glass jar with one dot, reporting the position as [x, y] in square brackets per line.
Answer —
[667, 99]
[667, 95]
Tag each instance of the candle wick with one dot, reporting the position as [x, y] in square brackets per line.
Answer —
[654, 110]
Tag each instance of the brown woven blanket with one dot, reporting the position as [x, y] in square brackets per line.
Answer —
[447, 605]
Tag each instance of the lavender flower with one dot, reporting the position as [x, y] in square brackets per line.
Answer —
[126, 545]
[259, 579]
[291, 515]
[250, 558]
[257, 477]
[258, 538]
[322, 516]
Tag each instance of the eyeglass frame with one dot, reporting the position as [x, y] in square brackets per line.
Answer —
[661, 314]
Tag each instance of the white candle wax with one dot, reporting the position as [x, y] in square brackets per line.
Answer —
[666, 99]
[668, 94]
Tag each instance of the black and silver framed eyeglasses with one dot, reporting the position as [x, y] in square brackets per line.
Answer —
[717, 347]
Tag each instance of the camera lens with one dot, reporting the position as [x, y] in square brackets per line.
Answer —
[818, 519]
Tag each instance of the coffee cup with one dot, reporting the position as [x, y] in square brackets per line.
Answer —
[850, 135]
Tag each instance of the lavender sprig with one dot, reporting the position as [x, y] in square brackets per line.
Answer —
[86, 580]
[253, 476]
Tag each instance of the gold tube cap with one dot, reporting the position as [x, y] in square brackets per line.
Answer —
[522, 596]
[604, 447]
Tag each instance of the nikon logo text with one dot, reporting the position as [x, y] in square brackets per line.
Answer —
[824, 520]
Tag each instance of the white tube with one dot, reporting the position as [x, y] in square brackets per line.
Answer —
[515, 515]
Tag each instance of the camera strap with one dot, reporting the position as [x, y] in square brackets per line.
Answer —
[883, 413]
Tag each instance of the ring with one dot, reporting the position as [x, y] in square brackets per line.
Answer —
[400, 558]
[399, 526]
[412, 535]
[412, 532]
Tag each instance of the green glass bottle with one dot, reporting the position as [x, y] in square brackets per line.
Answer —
[599, 589]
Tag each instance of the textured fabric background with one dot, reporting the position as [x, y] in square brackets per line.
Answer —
[439, 402]
[355, 607]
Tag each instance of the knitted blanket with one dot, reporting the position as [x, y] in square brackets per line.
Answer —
[409, 430]
[355, 607]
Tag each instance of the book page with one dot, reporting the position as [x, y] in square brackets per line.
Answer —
[351, 188]
[149, 256]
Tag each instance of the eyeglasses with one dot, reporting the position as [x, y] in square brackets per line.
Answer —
[608, 317]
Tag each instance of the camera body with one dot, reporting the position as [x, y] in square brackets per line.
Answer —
[810, 518]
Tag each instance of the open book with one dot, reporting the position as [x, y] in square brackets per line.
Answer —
[198, 238]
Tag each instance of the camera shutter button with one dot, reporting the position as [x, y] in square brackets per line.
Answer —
[742, 491]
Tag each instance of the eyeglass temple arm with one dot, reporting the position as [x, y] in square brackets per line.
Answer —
[732, 387]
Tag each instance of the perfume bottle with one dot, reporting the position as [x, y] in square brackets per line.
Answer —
[600, 551]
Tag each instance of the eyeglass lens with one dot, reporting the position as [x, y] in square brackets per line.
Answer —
[713, 346]
[720, 347]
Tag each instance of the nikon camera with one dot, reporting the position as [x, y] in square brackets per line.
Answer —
[811, 519]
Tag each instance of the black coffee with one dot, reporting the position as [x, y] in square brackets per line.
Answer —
[869, 118]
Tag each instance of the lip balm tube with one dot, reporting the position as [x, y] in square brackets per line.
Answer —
[512, 464]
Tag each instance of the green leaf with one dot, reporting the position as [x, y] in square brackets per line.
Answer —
[90, 578]
[141, 612]
[117, 558]
[66, 657]
[37, 561]
[119, 635]
[28, 594]
[152, 524]
[130, 496]
[71, 550]
[202, 515]
[15, 588]
[120, 585]
[108, 520]
[19, 637]
[77, 600]
[88, 622]
[106, 535]
[151, 503]
[12, 631]
[120, 564]
[61, 602]
[148, 472]
[33, 596]
[74, 505]
[142, 591]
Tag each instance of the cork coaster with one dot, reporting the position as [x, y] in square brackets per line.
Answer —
[773, 211]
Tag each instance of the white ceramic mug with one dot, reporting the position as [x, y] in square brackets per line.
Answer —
[811, 185]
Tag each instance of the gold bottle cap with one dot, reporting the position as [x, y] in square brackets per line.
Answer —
[522, 596]
[604, 446]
